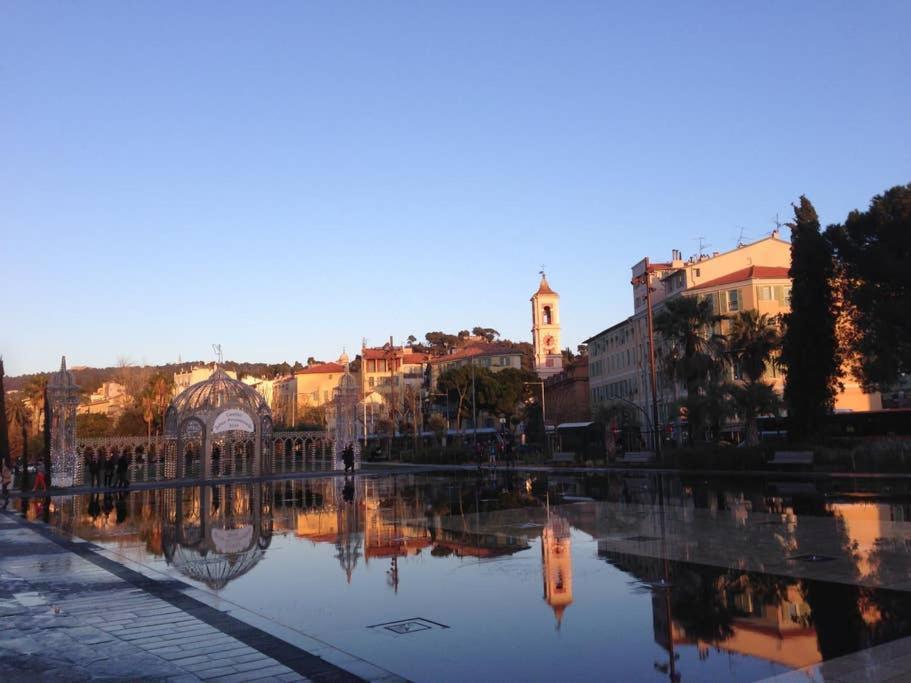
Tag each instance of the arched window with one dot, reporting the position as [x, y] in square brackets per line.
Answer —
[547, 315]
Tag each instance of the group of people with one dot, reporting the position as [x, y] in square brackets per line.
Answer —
[500, 448]
[111, 465]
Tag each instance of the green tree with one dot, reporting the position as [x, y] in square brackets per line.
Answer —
[872, 250]
[692, 350]
[488, 333]
[21, 415]
[46, 448]
[809, 349]
[34, 393]
[457, 382]
[91, 425]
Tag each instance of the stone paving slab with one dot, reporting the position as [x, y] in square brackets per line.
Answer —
[69, 613]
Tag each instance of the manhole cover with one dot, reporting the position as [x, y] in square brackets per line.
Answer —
[405, 626]
[641, 539]
[812, 557]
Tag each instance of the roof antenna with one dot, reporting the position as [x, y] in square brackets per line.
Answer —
[741, 237]
[703, 245]
[220, 357]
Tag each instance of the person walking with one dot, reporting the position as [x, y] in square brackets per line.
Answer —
[348, 458]
[40, 481]
[109, 470]
[95, 470]
[123, 465]
[6, 477]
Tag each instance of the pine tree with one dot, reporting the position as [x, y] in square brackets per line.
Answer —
[809, 349]
[872, 249]
[4, 433]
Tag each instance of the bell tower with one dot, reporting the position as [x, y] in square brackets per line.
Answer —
[545, 330]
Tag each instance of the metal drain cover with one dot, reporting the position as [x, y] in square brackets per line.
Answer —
[405, 626]
[812, 557]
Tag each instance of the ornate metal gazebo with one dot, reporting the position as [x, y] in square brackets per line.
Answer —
[343, 429]
[216, 427]
[63, 397]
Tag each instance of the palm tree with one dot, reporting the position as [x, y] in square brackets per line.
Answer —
[752, 345]
[686, 326]
[34, 393]
[20, 415]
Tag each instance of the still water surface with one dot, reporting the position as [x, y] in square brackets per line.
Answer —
[536, 577]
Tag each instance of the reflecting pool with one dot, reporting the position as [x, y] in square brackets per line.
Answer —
[533, 576]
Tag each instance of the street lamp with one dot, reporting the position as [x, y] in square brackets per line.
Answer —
[643, 279]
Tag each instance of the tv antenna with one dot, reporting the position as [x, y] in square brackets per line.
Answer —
[219, 356]
[778, 223]
[703, 245]
[741, 236]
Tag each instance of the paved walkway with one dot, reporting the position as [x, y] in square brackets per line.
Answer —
[67, 613]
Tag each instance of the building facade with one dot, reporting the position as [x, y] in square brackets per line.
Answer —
[110, 399]
[750, 277]
[567, 394]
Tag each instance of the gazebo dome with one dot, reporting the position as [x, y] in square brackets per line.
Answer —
[215, 568]
[219, 391]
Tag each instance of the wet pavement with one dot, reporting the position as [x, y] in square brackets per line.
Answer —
[67, 613]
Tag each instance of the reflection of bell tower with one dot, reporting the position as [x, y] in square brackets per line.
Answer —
[545, 329]
[556, 555]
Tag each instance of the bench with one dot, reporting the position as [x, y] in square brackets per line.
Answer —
[562, 457]
[637, 457]
[792, 458]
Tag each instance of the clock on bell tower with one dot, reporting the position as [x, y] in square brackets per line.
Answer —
[545, 329]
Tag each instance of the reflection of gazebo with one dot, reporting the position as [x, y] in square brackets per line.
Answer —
[219, 426]
[215, 541]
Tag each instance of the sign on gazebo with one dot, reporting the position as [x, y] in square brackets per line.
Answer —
[233, 419]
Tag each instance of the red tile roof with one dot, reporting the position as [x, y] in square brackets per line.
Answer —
[321, 368]
[477, 350]
[749, 273]
[407, 357]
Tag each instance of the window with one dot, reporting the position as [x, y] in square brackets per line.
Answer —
[765, 293]
[370, 382]
[547, 315]
[734, 300]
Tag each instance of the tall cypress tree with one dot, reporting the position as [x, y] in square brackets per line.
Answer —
[47, 439]
[810, 348]
[4, 433]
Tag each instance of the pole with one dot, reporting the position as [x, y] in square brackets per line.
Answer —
[653, 375]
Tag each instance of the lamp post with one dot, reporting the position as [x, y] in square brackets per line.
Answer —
[543, 410]
[643, 279]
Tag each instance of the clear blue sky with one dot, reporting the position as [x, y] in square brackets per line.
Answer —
[287, 177]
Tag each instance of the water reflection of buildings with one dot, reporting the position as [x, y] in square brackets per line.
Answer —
[735, 612]
[557, 564]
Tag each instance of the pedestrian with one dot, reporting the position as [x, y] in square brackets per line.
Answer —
[7, 478]
[123, 465]
[95, 470]
[348, 458]
[109, 470]
[40, 481]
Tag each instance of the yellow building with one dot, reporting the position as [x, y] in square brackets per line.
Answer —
[750, 277]
[545, 330]
[393, 373]
[310, 387]
[109, 399]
